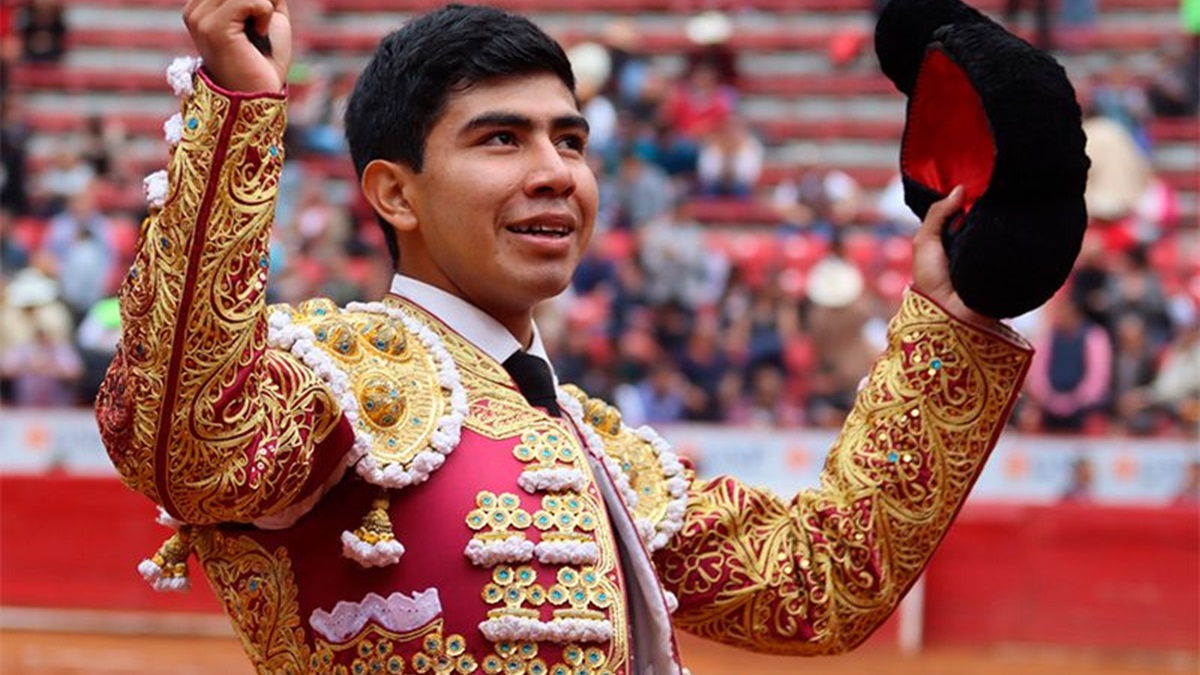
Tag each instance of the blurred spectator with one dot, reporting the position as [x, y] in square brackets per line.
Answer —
[592, 66]
[44, 372]
[1133, 369]
[36, 355]
[705, 365]
[896, 218]
[1042, 28]
[1175, 390]
[1089, 283]
[643, 191]
[1069, 377]
[1080, 484]
[731, 160]
[661, 394]
[14, 169]
[1173, 89]
[10, 42]
[76, 248]
[699, 104]
[103, 141]
[1120, 172]
[13, 253]
[633, 83]
[836, 319]
[820, 199]
[66, 176]
[1076, 23]
[43, 28]
[1189, 491]
[770, 321]
[97, 337]
[766, 403]
[1116, 96]
[326, 136]
[320, 226]
[679, 268]
[709, 33]
[1135, 288]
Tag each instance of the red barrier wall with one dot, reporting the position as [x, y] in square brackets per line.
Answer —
[1068, 575]
[1063, 575]
[69, 542]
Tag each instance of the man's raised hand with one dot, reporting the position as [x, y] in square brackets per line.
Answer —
[931, 268]
[219, 30]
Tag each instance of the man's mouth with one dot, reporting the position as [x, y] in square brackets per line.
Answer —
[554, 227]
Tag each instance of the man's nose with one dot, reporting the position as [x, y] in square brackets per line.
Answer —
[549, 173]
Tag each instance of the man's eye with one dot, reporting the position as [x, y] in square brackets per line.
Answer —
[501, 138]
[573, 142]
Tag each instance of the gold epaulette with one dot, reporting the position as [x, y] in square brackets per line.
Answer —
[652, 479]
[392, 376]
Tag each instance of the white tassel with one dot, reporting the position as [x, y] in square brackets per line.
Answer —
[373, 544]
[156, 187]
[167, 569]
[379, 554]
[173, 129]
[180, 74]
[486, 553]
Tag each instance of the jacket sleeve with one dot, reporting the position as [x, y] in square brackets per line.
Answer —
[818, 574]
[196, 411]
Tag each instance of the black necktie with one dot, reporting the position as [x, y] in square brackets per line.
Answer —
[533, 378]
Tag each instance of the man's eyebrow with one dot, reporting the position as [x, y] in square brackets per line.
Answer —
[491, 120]
[571, 122]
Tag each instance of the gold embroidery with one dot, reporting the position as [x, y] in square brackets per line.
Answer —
[563, 517]
[585, 592]
[515, 588]
[258, 592]
[634, 455]
[196, 395]
[444, 657]
[375, 650]
[499, 513]
[819, 574]
[395, 377]
[514, 658]
[546, 449]
[497, 411]
[578, 659]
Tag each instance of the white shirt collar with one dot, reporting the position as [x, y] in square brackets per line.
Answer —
[474, 324]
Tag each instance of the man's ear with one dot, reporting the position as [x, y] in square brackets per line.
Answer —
[387, 186]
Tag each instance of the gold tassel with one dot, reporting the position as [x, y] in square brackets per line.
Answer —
[374, 543]
[167, 569]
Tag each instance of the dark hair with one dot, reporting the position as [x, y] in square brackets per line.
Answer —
[402, 92]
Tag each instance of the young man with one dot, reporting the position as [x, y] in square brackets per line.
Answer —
[399, 486]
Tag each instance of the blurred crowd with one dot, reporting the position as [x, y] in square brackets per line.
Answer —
[671, 318]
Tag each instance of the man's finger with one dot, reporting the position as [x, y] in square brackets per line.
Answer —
[261, 12]
[940, 213]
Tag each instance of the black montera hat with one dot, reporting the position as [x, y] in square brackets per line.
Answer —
[990, 112]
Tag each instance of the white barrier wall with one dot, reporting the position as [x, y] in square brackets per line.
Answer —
[1029, 469]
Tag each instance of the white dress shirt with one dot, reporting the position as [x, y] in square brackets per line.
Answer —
[475, 325]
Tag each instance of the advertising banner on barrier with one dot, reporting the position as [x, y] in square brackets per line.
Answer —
[1024, 468]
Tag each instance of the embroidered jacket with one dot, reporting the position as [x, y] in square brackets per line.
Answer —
[368, 492]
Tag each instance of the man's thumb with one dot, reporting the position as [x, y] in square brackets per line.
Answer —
[941, 212]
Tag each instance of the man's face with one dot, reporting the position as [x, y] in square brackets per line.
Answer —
[505, 203]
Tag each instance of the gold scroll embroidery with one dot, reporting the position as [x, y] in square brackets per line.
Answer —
[259, 593]
[634, 455]
[195, 395]
[394, 376]
[496, 410]
[817, 575]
